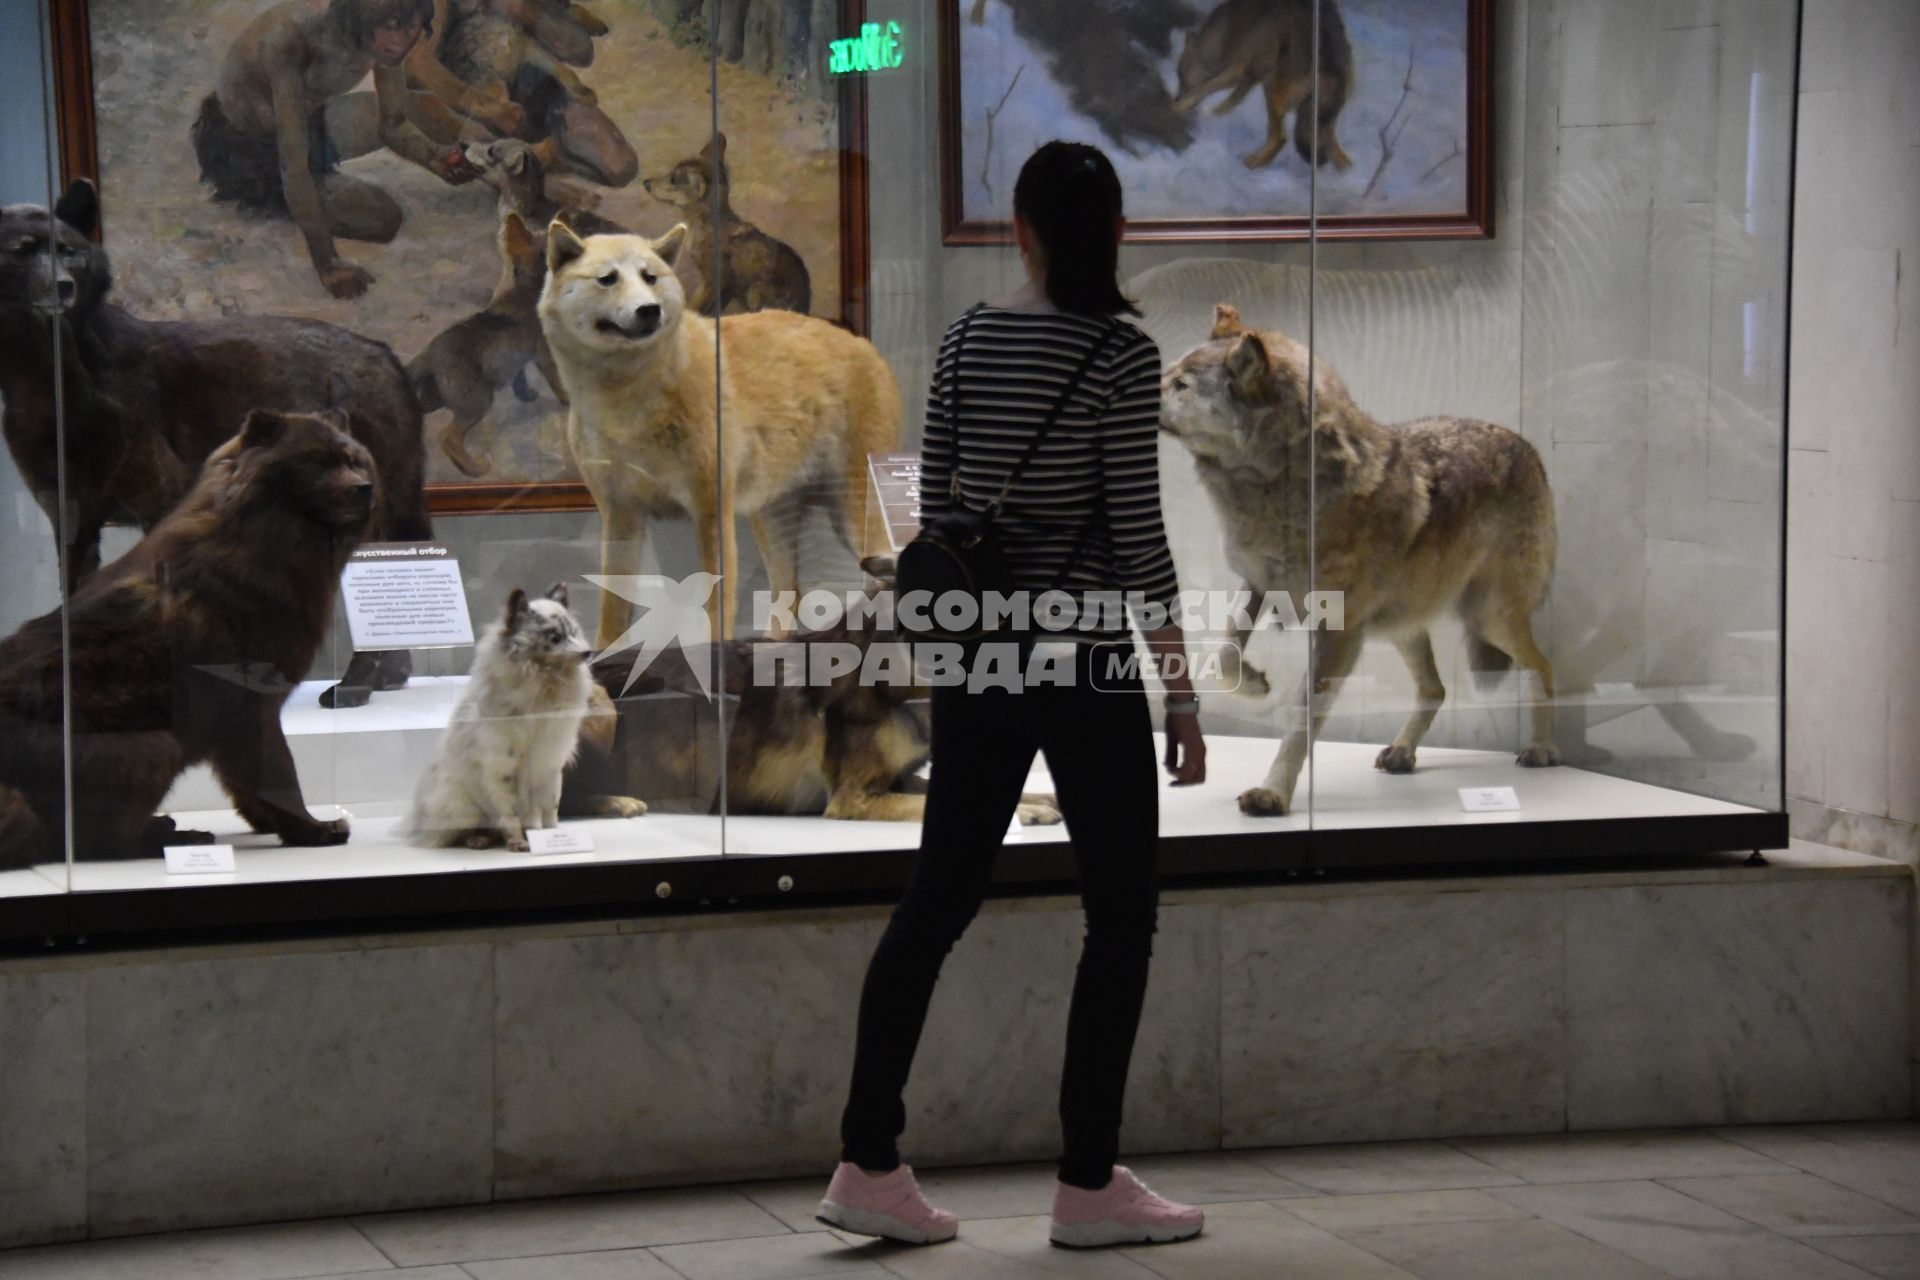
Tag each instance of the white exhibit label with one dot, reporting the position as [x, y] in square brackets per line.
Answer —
[405, 595]
[559, 840]
[198, 859]
[1489, 800]
[896, 487]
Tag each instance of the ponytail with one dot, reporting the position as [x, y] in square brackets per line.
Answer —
[1070, 196]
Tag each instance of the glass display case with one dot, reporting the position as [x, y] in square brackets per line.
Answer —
[459, 447]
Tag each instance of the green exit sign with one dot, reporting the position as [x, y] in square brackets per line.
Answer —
[876, 48]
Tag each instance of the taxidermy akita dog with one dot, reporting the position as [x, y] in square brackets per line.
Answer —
[185, 649]
[843, 748]
[1268, 45]
[801, 405]
[1410, 521]
[498, 772]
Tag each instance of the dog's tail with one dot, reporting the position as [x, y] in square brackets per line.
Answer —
[1487, 662]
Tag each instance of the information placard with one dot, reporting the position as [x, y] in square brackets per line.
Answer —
[198, 859]
[405, 595]
[896, 488]
[1489, 799]
[559, 840]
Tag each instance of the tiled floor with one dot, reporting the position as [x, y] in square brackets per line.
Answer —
[1815, 1202]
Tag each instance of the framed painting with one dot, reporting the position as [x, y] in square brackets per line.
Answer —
[169, 107]
[1209, 111]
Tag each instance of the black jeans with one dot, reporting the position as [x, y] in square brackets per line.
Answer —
[1098, 746]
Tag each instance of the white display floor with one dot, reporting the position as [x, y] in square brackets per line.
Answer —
[365, 761]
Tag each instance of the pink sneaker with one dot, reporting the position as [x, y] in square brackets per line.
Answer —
[1122, 1212]
[888, 1205]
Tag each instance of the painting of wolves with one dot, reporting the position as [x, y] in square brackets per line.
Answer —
[596, 96]
[497, 774]
[157, 397]
[1409, 522]
[462, 368]
[756, 272]
[844, 748]
[802, 403]
[183, 651]
[1228, 119]
[1257, 44]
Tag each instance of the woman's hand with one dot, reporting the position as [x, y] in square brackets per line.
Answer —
[1186, 750]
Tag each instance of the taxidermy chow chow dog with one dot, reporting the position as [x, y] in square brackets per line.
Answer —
[1268, 45]
[184, 650]
[518, 724]
[802, 403]
[846, 748]
[756, 271]
[148, 401]
[472, 358]
[1434, 515]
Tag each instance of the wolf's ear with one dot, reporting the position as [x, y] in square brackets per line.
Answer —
[562, 245]
[79, 207]
[1226, 321]
[1249, 365]
[516, 241]
[262, 428]
[516, 606]
[518, 158]
[559, 594]
[336, 418]
[668, 245]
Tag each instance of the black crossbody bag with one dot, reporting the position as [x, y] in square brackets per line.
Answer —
[960, 554]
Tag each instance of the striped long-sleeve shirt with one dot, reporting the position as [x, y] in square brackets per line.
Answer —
[1084, 515]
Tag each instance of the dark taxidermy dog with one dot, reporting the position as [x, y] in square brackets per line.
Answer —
[184, 650]
[148, 401]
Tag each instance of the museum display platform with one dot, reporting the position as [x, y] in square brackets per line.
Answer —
[403, 1070]
[370, 757]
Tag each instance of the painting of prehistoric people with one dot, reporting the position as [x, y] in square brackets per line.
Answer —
[1228, 118]
[353, 161]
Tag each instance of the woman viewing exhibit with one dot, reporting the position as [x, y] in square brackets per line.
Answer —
[1043, 410]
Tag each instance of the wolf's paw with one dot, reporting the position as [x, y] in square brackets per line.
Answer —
[1395, 759]
[621, 807]
[481, 840]
[317, 835]
[517, 844]
[342, 696]
[1538, 756]
[1037, 815]
[1261, 802]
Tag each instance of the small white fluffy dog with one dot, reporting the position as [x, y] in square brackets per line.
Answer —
[516, 728]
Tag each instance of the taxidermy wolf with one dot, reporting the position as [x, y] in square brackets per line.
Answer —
[802, 403]
[1410, 521]
[498, 772]
[147, 401]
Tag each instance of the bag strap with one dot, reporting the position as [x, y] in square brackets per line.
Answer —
[1046, 425]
